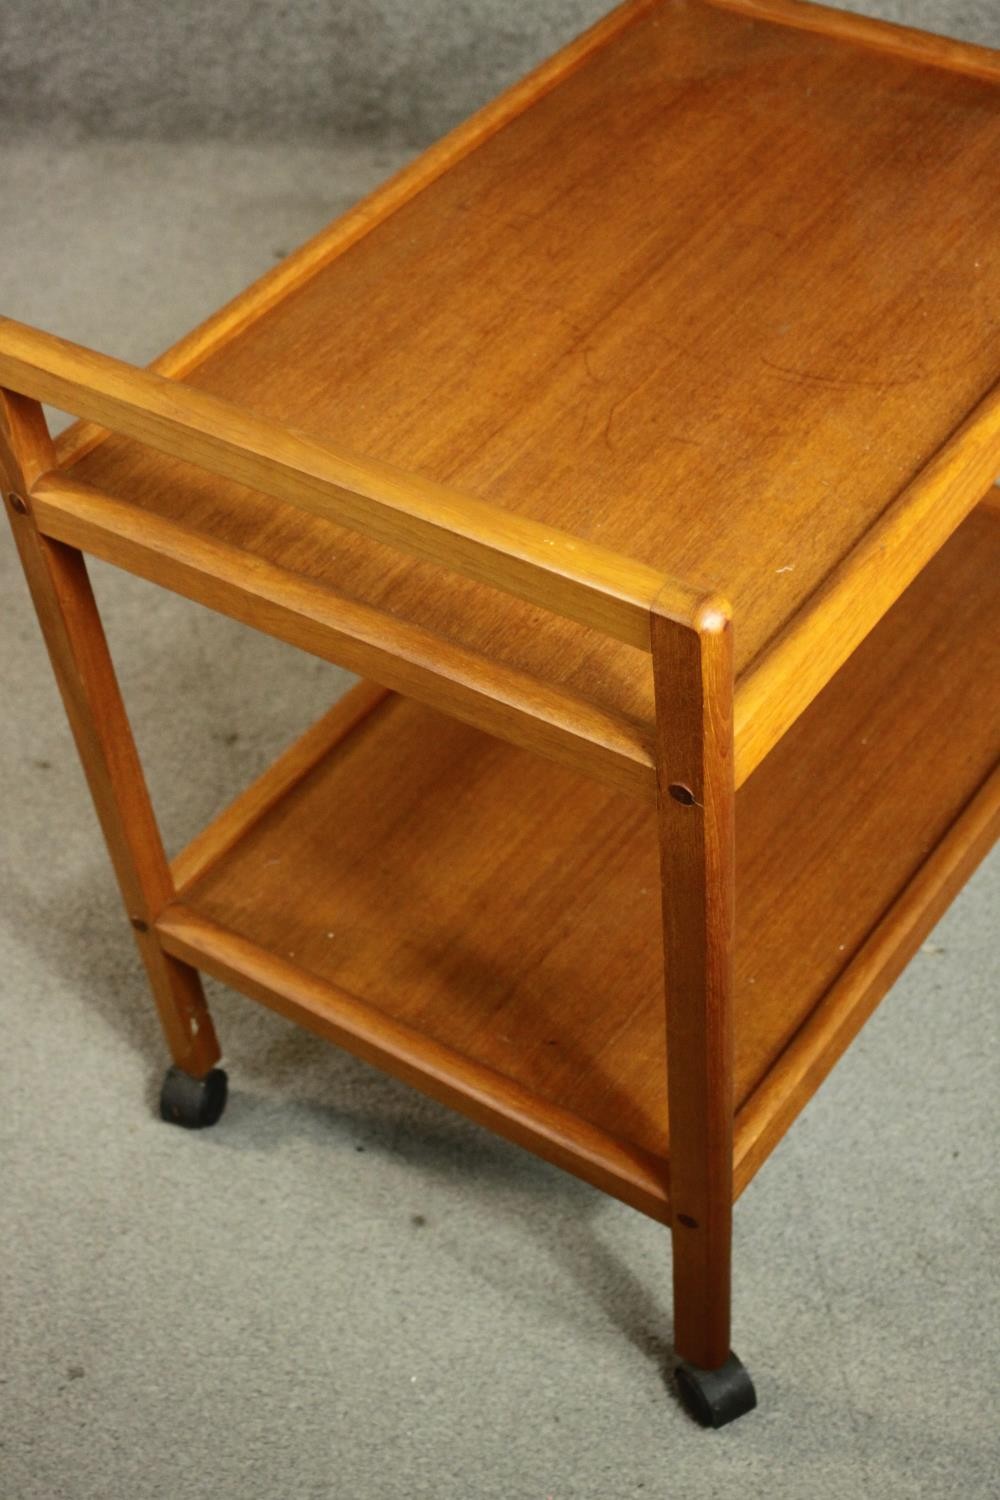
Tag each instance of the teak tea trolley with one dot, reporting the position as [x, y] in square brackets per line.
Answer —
[674, 373]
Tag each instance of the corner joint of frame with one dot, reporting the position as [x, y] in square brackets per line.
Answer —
[713, 614]
[702, 610]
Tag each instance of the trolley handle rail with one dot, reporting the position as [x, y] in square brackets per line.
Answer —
[537, 563]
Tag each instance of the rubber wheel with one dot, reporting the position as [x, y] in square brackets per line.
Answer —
[193, 1102]
[715, 1397]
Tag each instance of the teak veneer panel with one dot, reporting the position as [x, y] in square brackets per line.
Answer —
[509, 909]
[712, 301]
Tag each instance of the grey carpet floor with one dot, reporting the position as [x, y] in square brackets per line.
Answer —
[240, 70]
[345, 1290]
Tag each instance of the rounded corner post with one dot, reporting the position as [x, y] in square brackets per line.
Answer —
[26, 449]
[713, 614]
[693, 681]
[71, 626]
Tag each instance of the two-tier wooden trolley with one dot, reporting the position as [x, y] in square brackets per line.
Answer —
[634, 442]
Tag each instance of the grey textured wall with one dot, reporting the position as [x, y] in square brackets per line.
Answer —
[302, 69]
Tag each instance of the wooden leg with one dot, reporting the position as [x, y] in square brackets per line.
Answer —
[694, 689]
[67, 612]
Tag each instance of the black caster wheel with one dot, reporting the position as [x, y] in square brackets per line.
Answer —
[715, 1397]
[193, 1102]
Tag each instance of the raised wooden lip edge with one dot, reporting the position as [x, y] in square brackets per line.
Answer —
[928, 47]
[623, 1170]
[618, 1167]
[223, 832]
[793, 1077]
[835, 1021]
[794, 667]
[527, 711]
[348, 228]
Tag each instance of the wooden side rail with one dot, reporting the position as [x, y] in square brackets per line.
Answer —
[874, 33]
[814, 1049]
[790, 672]
[407, 658]
[613, 1165]
[546, 567]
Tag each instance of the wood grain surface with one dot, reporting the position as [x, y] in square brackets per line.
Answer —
[693, 673]
[415, 1056]
[714, 302]
[510, 910]
[589, 584]
[836, 1021]
[333, 239]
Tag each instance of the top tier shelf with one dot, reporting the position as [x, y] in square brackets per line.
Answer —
[718, 289]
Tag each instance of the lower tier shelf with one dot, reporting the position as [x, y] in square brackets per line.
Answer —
[486, 923]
